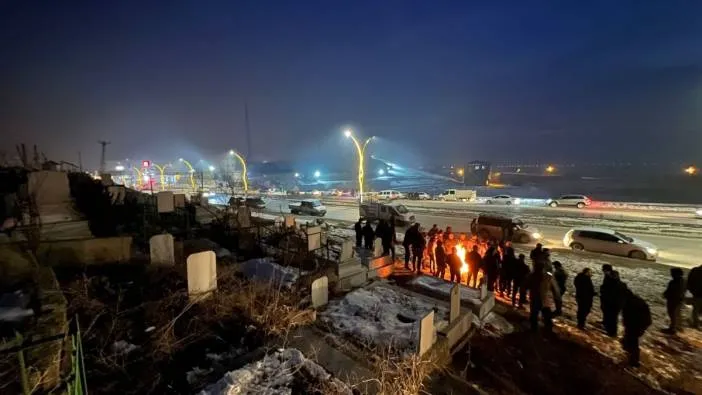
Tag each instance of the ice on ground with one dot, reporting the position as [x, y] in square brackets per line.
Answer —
[443, 287]
[264, 269]
[493, 325]
[381, 317]
[277, 373]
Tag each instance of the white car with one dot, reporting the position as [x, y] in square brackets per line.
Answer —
[389, 195]
[423, 196]
[579, 201]
[698, 213]
[503, 199]
[609, 241]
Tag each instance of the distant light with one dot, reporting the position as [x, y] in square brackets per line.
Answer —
[297, 175]
[231, 152]
[460, 172]
[180, 159]
[212, 168]
[550, 169]
[347, 133]
[145, 163]
[317, 174]
[119, 168]
[691, 170]
[146, 178]
[381, 172]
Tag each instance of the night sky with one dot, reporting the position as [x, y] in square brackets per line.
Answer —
[582, 81]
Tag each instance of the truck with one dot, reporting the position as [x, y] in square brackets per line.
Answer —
[312, 207]
[373, 211]
[458, 195]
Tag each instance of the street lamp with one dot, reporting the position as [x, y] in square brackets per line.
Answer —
[691, 170]
[192, 172]
[243, 170]
[297, 175]
[162, 170]
[550, 169]
[212, 168]
[317, 174]
[462, 173]
[361, 150]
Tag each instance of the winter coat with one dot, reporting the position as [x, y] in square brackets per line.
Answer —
[611, 293]
[491, 264]
[521, 271]
[675, 293]
[440, 254]
[368, 232]
[584, 289]
[543, 287]
[694, 282]
[410, 236]
[473, 261]
[535, 254]
[359, 229]
[561, 277]
[454, 262]
[636, 315]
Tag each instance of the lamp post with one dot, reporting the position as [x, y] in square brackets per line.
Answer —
[243, 170]
[192, 172]
[162, 171]
[138, 177]
[361, 150]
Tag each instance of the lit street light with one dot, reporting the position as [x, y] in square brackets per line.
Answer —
[381, 172]
[317, 174]
[550, 169]
[691, 170]
[462, 173]
[297, 175]
[361, 153]
[212, 168]
[192, 172]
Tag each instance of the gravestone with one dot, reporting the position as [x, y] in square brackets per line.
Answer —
[483, 291]
[289, 221]
[165, 202]
[426, 333]
[179, 200]
[346, 251]
[162, 250]
[320, 292]
[377, 248]
[314, 238]
[455, 303]
[243, 217]
[202, 273]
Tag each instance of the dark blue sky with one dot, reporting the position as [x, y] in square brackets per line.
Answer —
[449, 80]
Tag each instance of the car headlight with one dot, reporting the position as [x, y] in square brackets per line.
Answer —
[699, 212]
[536, 235]
[651, 251]
[517, 201]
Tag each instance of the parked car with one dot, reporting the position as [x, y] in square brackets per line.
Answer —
[458, 195]
[389, 194]
[698, 213]
[487, 226]
[308, 207]
[374, 211]
[609, 241]
[255, 202]
[418, 196]
[579, 201]
[503, 199]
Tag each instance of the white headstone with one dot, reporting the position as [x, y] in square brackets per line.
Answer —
[483, 291]
[179, 200]
[202, 273]
[346, 251]
[455, 303]
[311, 230]
[161, 250]
[165, 202]
[320, 292]
[289, 221]
[426, 333]
[377, 248]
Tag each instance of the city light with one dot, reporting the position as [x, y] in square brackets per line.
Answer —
[297, 175]
[192, 172]
[317, 174]
[212, 168]
[691, 170]
[145, 163]
[381, 172]
[460, 172]
[361, 151]
[550, 169]
[119, 168]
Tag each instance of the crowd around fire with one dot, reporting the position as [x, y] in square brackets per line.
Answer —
[473, 261]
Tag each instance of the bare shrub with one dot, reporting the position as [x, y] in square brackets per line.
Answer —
[397, 374]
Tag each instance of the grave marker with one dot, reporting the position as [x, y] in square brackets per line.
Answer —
[377, 248]
[483, 291]
[455, 303]
[161, 250]
[289, 221]
[165, 202]
[320, 292]
[202, 273]
[314, 238]
[179, 200]
[426, 333]
[346, 251]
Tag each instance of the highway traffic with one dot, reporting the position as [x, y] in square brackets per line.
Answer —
[675, 249]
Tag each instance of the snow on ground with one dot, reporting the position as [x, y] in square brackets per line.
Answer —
[381, 317]
[264, 269]
[278, 373]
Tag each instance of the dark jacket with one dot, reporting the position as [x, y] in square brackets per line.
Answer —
[410, 237]
[454, 262]
[440, 254]
[584, 289]
[675, 293]
[358, 228]
[474, 260]
[611, 292]
[636, 314]
[694, 282]
[368, 232]
[521, 271]
[561, 277]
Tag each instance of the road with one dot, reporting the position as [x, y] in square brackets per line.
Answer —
[674, 251]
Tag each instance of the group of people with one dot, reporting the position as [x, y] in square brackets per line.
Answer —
[545, 283]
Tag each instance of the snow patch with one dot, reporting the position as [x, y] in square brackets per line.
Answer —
[276, 373]
[264, 269]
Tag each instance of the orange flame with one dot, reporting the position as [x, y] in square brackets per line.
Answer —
[461, 252]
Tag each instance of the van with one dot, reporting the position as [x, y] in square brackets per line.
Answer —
[458, 195]
[374, 211]
[389, 194]
[494, 226]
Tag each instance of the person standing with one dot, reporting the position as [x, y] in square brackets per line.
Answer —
[636, 317]
[491, 265]
[431, 253]
[473, 261]
[507, 270]
[418, 251]
[561, 278]
[546, 258]
[440, 256]
[358, 228]
[392, 236]
[535, 254]
[433, 231]
[694, 285]
[454, 264]
[368, 236]
[408, 243]
[674, 295]
[584, 295]
[521, 272]
[542, 292]
[610, 300]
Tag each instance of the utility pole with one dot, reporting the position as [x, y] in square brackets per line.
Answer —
[102, 157]
[248, 130]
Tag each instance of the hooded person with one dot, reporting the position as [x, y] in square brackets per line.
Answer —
[694, 285]
[358, 228]
[418, 250]
[584, 295]
[440, 256]
[610, 300]
[674, 295]
[519, 282]
[636, 317]
[368, 236]
[454, 264]
[561, 278]
[543, 291]
[474, 262]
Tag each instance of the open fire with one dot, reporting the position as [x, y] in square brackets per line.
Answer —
[462, 253]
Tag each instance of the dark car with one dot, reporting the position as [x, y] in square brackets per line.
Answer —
[255, 202]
